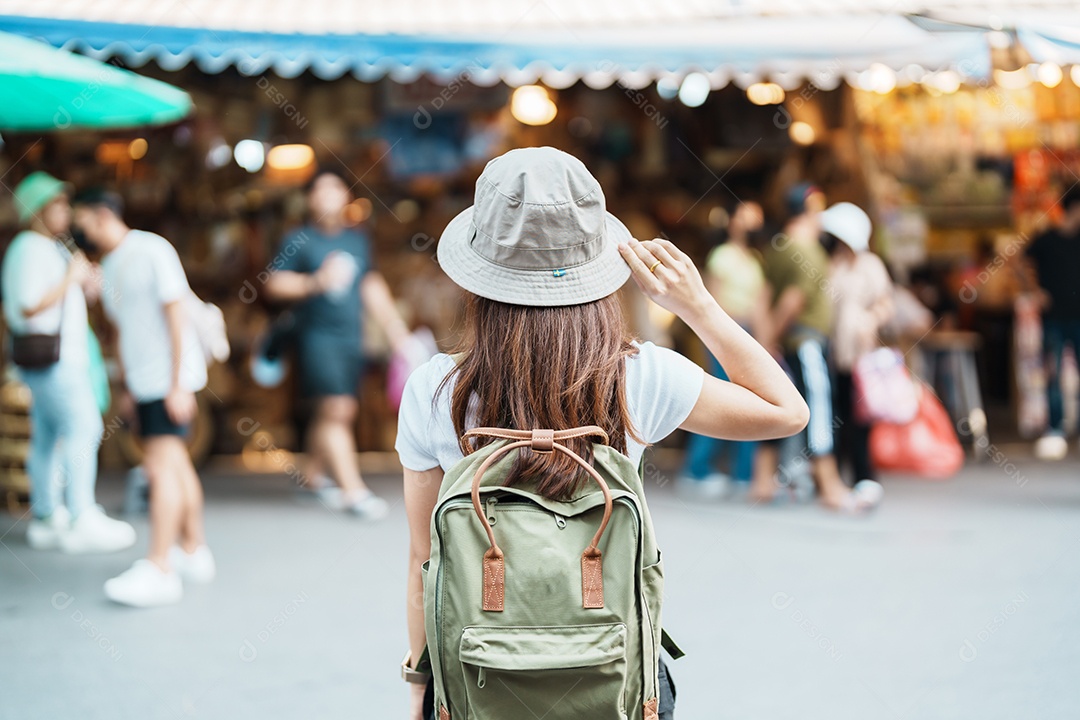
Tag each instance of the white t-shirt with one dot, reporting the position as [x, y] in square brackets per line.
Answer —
[662, 388]
[33, 265]
[141, 276]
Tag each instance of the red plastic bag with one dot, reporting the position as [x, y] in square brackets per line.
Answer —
[927, 446]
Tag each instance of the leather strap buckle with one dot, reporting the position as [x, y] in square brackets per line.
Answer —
[543, 441]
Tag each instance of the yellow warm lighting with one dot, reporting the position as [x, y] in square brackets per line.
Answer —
[877, 78]
[1012, 79]
[1050, 74]
[946, 81]
[802, 133]
[290, 157]
[357, 211]
[765, 93]
[112, 152]
[137, 148]
[531, 105]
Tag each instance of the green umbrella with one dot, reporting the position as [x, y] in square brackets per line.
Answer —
[43, 88]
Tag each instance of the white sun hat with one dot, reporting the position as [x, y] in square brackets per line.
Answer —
[537, 234]
[849, 224]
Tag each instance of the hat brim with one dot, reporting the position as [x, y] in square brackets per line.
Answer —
[597, 278]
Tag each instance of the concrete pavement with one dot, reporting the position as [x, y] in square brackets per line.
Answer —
[956, 601]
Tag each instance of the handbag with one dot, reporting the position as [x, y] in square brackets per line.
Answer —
[884, 391]
[35, 351]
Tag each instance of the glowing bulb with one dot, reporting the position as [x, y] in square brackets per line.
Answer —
[944, 82]
[531, 105]
[882, 79]
[290, 157]
[250, 155]
[1012, 79]
[219, 155]
[802, 133]
[1050, 74]
[694, 90]
[765, 93]
[137, 148]
[667, 88]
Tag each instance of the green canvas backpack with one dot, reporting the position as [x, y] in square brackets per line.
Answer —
[540, 608]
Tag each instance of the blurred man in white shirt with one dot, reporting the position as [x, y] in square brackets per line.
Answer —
[145, 292]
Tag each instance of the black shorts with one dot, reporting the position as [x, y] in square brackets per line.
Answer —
[329, 366]
[155, 421]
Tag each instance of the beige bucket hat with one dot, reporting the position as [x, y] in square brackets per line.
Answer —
[537, 234]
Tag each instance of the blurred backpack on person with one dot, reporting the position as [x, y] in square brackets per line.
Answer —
[535, 602]
[209, 324]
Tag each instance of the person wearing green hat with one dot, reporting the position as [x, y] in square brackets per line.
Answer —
[43, 297]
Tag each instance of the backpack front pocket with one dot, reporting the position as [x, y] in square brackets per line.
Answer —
[549, 672]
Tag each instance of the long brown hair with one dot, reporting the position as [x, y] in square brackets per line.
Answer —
[543, 368]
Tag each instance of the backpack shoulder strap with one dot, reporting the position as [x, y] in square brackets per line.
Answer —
[547, 437]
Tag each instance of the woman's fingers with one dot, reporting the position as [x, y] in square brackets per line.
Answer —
[673, 249]
[665, 257]
[640, 259]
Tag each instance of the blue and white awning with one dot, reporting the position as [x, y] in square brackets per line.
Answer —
[515, 41]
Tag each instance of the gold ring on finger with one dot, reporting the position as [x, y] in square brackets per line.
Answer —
[652, 268]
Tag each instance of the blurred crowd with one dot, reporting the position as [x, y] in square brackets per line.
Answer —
[807, 286]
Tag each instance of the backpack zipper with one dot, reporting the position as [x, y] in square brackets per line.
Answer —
[560, 521]
[490, 505]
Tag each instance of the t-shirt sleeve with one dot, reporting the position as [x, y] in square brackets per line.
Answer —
[290, 254]
[30, 271]
[880, 280]
[662, 388]
[170, 281]
[415, 422]
[367, 258]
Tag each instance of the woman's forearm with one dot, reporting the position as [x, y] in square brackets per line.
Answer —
[285, 285]
[50, 298]
[744, 360]
[379, 301]
[415, 610]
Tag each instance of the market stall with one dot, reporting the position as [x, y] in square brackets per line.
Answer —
[680, 109]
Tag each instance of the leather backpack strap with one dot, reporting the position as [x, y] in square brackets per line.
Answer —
[507, 434]
[542, 441]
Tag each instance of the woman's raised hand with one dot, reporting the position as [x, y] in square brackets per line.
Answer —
[667, 276]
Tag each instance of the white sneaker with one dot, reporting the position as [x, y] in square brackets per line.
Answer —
[325, 490]
[45, 533]
[196, 567]
[144, 584]
[331, 496]
[93, 531]
[1051, 446]
[370, 507]
[711, 487]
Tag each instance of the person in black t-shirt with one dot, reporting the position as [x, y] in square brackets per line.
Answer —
[1055, 257]
[325, 269]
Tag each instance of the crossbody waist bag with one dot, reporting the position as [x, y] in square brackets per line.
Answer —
[35, 351]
